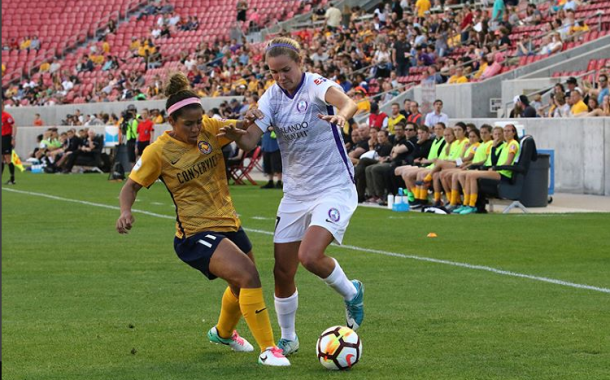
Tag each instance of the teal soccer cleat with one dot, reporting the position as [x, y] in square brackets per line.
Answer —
[354, 309]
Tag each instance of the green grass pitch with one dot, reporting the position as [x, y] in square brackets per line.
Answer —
[82, 302]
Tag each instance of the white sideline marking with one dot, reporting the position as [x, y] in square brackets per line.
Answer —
[351, 247]
[261, 218]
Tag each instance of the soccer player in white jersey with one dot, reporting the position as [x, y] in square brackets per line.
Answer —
[319, 192]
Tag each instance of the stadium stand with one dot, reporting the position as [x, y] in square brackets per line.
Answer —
[446, 40]
[57, 26]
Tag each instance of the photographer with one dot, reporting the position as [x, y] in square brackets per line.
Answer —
[129, 129]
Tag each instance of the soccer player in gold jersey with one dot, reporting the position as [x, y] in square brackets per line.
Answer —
[189, 161]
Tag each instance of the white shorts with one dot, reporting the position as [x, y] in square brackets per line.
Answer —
[331, 211]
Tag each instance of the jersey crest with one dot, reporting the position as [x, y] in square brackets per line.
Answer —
[204, 147]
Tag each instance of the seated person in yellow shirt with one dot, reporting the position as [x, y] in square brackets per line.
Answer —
[578, 105]
[459, 76]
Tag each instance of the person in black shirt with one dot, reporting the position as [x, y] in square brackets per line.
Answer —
[424, 142]
[404, 151]
[401, 54]
[379, 153]
[89, 147]
[527, 109]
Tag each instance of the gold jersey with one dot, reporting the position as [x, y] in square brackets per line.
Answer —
[195, 178]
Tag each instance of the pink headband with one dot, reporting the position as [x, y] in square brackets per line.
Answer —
[183, 103]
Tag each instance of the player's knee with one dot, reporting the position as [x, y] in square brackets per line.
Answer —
[249, 278]
[310, 258]
[283, 274]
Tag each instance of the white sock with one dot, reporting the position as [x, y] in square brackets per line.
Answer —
[286, 310]
[339, 281]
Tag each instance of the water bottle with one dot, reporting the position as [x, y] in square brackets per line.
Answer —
[390, 201]
[401, 195]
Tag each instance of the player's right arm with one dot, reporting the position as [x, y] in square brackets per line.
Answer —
[259, 121]
[146, 171]
[127, 199]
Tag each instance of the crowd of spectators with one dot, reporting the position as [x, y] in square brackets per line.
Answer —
[365, 53]
[584, 99]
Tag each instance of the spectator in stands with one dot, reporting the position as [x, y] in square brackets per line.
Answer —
[35, 43]
[571, 83]
[395, 118]
[55, 66]
[551, 44]
[382, 61]
[436, 116]
[458, 77]
[363, 145]
[592, 103]
[25, 43]
[401, 54]
[166, 8]
[406, 111]
[499, 8]
[577, 29]
[242, 9]
[578, 105]
[352, 142]
[422, 57]
[421, 7]
[364, 105]
[561, 109]
[379, 151]
[537, 104]
[570, 5]
[532, 15]
[415, 116]
[377, 119]
[525, 46]
[89, 148]
[504, 42]
[254, 18]
[381, 177]
[603, 110]
[602, 90]
[524, 104]
[495, 67]
[333, 17]
[38, 122]
[320, 55]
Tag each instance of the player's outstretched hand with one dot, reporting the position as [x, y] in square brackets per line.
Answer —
[338, 120]
[125, 222]
[231, 132]
[252, 115]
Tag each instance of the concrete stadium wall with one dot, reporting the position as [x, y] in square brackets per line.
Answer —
[582, 150]
[53, 115]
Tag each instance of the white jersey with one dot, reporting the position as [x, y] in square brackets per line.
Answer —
[314, 159]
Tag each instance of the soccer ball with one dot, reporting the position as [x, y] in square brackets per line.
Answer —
[339, 348]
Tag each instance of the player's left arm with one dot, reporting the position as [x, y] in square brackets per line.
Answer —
[346, 107]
